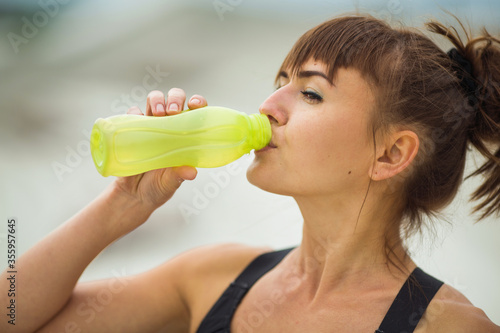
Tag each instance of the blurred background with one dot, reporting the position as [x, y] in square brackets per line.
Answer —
[65, 63]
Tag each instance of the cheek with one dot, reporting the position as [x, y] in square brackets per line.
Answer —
[330, 146]
[316, 156]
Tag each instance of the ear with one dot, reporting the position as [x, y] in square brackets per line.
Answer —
[395, 156]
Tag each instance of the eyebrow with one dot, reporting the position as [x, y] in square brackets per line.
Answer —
[306, 74]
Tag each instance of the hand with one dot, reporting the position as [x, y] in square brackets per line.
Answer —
[155, 187]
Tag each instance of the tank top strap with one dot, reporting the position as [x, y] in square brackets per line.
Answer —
[218, 319]
[410, 304]
[403, 316]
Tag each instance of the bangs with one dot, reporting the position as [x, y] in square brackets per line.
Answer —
[349, 42]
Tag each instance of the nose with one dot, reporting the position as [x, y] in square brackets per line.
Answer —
[274, 107]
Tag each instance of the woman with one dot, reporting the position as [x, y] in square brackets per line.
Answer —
[370, 131]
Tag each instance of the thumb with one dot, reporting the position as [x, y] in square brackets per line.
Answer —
[186, 172]
[168, 180]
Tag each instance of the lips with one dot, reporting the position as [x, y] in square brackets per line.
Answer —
[269, 146]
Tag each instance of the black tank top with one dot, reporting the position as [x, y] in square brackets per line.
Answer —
[403, 315]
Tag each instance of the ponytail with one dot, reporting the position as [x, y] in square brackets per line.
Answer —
[476, 64]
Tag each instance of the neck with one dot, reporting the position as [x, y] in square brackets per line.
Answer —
[345, 241]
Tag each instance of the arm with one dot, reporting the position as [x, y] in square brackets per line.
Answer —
[173, 297]
[48, 272]
[145, 302]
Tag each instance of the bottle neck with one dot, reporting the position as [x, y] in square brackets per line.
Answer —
[260, 131]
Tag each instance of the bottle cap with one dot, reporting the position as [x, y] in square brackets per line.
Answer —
[261, 131]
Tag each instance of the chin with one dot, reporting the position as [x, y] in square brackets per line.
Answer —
[253, 172]
[265, 178]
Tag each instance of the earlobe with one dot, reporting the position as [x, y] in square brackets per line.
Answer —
[396, 156]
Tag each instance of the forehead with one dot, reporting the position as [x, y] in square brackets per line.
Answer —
[344, 78]
[356, 41]
[313, 64]
[309, 65]
[308, 70]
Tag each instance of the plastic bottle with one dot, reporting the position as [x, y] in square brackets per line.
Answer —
[208, 137]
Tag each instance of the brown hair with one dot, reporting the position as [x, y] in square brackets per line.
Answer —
[417, 86]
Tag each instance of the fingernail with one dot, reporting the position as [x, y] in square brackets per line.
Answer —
[160, 108]
[173, 107]
[195, 101]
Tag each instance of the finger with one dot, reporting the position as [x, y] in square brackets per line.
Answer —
[155, 105]
[197, 101]
[186, 172]
[135, 110]
[175, 101]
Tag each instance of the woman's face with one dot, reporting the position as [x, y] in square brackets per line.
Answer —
[321, 143]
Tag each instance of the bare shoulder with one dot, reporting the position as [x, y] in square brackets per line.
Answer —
[205, 272]
[217, 259]
[450, 311]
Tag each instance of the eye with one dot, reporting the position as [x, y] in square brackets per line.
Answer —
[311, 96]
